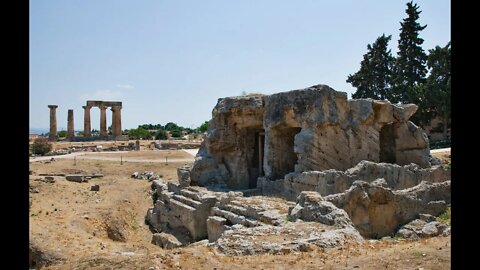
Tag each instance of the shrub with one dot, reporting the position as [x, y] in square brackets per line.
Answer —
[62, 134]
[41, 146]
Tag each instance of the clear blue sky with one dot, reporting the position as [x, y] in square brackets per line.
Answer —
[171, 60]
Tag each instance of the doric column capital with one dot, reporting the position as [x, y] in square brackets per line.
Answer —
[116, 108]
[52, 106]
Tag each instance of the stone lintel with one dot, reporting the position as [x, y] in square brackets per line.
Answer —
[98, 103]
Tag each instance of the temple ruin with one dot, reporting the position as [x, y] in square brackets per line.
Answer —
[312, 129]
[116, 107]
[337, 169]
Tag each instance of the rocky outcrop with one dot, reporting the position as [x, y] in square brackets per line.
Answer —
[312, 207]
[246, 211]
[292, 236]
[312, 129]
[165, 240]
[377, 211]
[182, 210]
[332, 181]
[226, 153]
[419, 228]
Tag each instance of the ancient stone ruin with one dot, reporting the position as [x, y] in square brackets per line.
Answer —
[116, 107]
[307, 164]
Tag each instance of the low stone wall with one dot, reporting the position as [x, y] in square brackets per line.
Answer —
[329, 182]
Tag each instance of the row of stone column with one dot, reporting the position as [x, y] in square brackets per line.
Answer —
[116, 122]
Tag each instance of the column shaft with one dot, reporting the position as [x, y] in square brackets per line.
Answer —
[70, 127]
[116, 121]
[53, 122]
[103, 121]
[87, 128]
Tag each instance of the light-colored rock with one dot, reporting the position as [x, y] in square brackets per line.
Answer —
[332, 181]
[183, 210]
[183, 174]
[311, 129]
[75, 178]
[215, 227]
[293, 236]
[165, 240]
[312, 207]
[376, 211]
[420, 229]
[427, 217]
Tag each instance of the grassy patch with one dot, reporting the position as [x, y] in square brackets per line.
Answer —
[445, 216]
[288, 219]
[133, 221]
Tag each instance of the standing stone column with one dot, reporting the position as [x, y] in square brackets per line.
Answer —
[53, 122]
[116, 121]
[87, 128]
[70, 128]
[103, 121]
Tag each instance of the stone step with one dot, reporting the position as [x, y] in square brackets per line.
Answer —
[187, 201]
[190, 194]
[179, 204]
[251, 192]
[255, 212]
[239, 210]
[272, 217]
[234, 218]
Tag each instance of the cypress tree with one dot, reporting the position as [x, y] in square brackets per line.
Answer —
[374, 79]
[410, 66]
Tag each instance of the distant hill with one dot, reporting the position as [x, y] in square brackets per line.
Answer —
[38, 130]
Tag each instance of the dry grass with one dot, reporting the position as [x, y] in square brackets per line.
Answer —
[77, 221]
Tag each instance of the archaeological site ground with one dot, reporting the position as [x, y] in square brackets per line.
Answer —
[303, 179]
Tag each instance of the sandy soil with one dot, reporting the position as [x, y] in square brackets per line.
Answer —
[77, 226]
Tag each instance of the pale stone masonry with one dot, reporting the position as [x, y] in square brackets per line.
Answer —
[70, 125]
[87, 128]
[116, 107]
[116, 121]
[103, 121]
[312, 129]
[53, 122]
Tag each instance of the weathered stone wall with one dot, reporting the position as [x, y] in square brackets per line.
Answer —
[332, 181]
[312, 129]
[225, 155]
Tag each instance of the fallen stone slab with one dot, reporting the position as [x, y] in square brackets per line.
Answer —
[95, 188]
[51, 174]
[79, 178]
[421, 229]
[377, 211]
[94, 175]
[165, 240]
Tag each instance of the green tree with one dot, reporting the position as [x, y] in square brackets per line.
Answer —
[161, 135]
[176, 133]
[437, 97]
[139, 133]
[410, 66]
[41, 146]
[62, 134]
[374, 79]
[171, 126]
[203, 127]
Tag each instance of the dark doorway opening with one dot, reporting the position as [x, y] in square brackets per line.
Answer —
[284, 157]
[256, 160]
[387, 144]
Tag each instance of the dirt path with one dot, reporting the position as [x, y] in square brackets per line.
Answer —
[81, 229]
[122, 155]
[192, 152]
